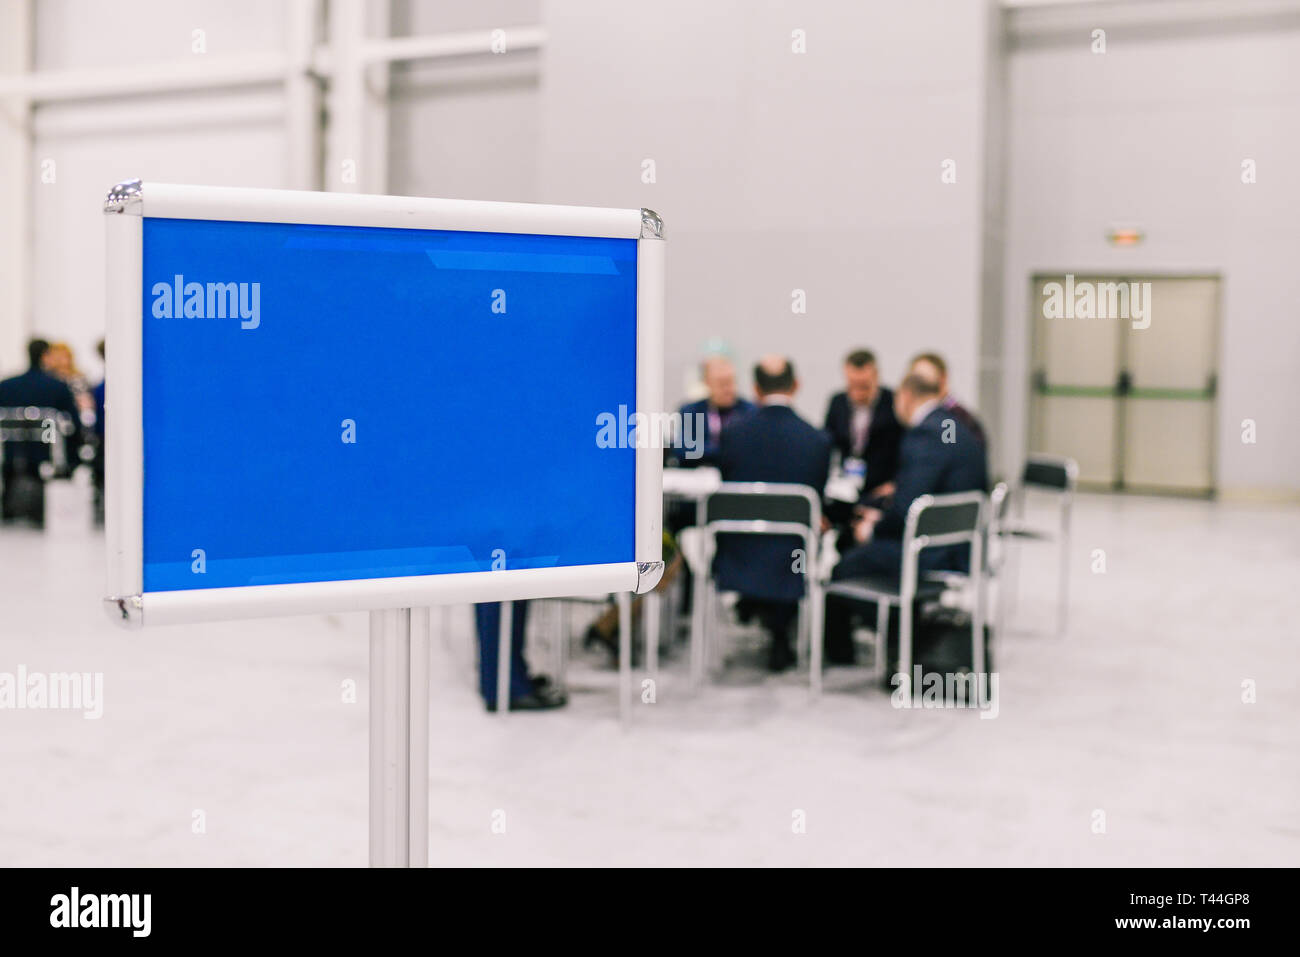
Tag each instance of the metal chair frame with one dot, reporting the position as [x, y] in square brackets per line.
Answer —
[702, 632]
[914, 542]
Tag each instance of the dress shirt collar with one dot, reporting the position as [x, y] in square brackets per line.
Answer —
[923, 410]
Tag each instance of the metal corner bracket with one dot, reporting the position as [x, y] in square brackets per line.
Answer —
[652, 226]
[647, 576]
[126, 197]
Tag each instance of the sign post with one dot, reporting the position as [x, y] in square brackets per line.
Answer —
[322, 402]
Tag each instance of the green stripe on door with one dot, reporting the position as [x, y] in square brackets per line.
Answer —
[1110, 392]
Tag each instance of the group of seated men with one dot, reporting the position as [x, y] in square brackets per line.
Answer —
[904, 443]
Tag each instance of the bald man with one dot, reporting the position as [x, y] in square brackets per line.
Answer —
[718, 411]
[930, 365]
[772, 445]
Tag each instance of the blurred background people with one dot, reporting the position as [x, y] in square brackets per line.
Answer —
[931, 366]
[23, 494]
[861, 423]
[772, 445]
[939, 456]
[720, 409]
[60, 363]
[527, 692]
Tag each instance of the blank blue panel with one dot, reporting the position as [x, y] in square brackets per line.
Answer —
[266, 345]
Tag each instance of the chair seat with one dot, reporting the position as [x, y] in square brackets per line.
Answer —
[880, 588]
[949, 579]
[1031, 534]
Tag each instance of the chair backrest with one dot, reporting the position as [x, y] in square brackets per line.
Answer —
[999, 506]
[1051, 472]
[998, 514]
[28, 423]
[934, 520]
[32, 423]
[763, 502]
[945, 519]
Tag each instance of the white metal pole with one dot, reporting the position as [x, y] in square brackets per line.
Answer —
[346, 170]
[625, 657]
[390, 696]
[302, 98]
[421, 641]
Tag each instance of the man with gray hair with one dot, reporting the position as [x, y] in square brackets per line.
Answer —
[720, 409]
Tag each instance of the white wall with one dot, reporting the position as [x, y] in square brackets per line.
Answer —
[778, 171]
[15, 147]
[466, 128]
[228, 138]
[1153, 132]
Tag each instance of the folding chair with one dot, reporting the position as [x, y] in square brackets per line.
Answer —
[1058, 475]
[932, 521]
[762, 508]
[30, 425]
[32, 435]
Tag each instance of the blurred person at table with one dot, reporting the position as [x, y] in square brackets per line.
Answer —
[705, 421]
[862, 425]
[932, 366]
[23, 460]
[939, 456]
[772, 445]
[60, 364]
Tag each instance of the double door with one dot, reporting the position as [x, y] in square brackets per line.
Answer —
[1133, 405]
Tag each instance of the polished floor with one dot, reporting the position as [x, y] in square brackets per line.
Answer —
[1127, 742]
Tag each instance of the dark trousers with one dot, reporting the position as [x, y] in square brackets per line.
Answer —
[842, 616]
[776, 617]
[487, 617]
[22, 492]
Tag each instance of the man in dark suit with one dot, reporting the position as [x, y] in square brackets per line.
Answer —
[703, 422]
[861, 422]
[772, 445]
[932, 366]
[939, 456]
[22, 460]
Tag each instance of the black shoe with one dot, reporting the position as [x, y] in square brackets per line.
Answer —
[540, 700]
[780, 658]
[594, 639]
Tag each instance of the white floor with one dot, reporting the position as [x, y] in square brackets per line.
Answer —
[1138, 713]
